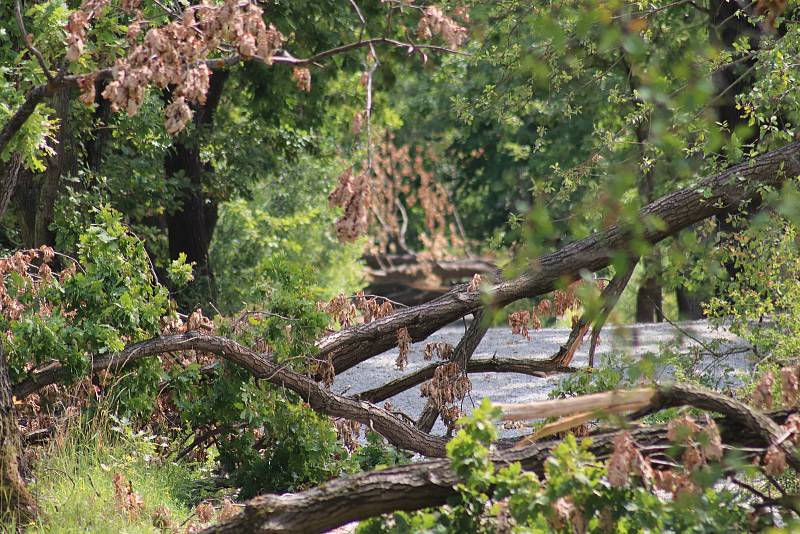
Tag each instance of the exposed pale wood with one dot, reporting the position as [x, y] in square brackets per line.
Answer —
[430, 483]
[606, 402]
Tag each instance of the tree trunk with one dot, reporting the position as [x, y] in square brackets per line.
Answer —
[35, 196]
[191, 227]
[649, 301]
[733, 79]
[9, 176]
[690, 305]
[16, 502]
[648, 296]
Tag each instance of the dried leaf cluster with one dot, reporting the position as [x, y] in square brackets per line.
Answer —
[439, 350]
[378, 199]
[447, 388]
[349, 432]
[344, 310]
[32, 273]
[175, 55]
[560, 302]
[434, 22]
[404, 348]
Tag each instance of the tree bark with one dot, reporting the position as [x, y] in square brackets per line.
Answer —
[16, 502]
[35, 198]
[9, 177]
[350, 346]
[395, 429]
[431, 483]
[407, 279]
[191, 227]
[690, 305]
[649, 300]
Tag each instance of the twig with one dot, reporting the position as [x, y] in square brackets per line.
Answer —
[387, 299]
[685, 332]
[28, 43]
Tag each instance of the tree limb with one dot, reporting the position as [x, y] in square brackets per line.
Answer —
[678, 210]
[28, 43]
[539, 367]
[610, 297]
[431, 483]
[396, 430]
[37, 93]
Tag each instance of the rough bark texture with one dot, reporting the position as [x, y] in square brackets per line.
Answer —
[649, 300]
[12, 126]
[191, 227]
[430, 483]
[16, 502]
[9, 176]
[678, 210]
[344, 500]
[350, 346]
[35, 196]
[611, 295]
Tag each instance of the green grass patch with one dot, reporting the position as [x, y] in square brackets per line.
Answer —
[75, 482]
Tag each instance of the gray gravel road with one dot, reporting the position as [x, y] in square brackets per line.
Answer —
[635, 340]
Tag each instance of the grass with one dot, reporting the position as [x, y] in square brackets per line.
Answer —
[75, 482]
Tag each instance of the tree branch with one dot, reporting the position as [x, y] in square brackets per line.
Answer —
[28, 43]
[713, 195]
[538, 367]
[399, 432]
[431, 483]
[17, 120]
[461, 355]
[36, 94]
[610, 297]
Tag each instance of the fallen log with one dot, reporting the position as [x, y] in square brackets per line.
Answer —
[432, 483]
[395, 429]
[412, 279]
[678, 210]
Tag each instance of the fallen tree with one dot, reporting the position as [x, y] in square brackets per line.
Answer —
[396, 429]
[348, 347]
[676, 211]
[431, 483]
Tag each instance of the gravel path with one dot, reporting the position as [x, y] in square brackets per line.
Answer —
[636, 340]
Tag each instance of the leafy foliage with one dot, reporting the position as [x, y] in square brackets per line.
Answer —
[574, 495]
